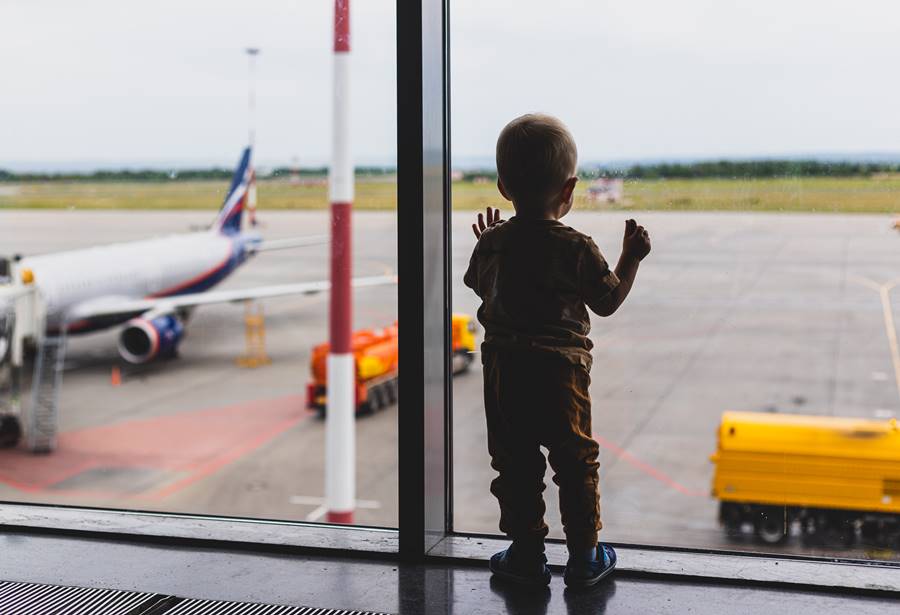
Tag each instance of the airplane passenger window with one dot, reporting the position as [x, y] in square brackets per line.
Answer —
[745, 395]
[171, 177]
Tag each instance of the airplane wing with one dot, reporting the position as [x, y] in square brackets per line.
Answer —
[115, 306]
[292, 242]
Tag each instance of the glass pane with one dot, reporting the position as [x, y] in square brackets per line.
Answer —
[165, 180]
[757, 144]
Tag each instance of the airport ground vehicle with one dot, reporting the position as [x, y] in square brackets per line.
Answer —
[833, 477]
[375, 354]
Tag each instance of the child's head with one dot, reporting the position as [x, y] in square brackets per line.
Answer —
[536, 163]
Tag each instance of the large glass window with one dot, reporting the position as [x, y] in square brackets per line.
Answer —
[757, 143]
[768, 185]
[164, 187]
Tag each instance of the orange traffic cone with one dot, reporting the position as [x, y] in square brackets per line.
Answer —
[115, 378]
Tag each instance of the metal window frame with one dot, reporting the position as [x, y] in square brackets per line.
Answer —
[425, 529]
[423, 213]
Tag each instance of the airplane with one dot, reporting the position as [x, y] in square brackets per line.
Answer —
[151, 286]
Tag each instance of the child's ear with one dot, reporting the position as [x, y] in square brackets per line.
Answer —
[503, 190]
[568, 189]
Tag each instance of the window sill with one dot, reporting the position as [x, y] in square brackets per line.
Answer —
[850, 576]
[313, 536]
[744, 568]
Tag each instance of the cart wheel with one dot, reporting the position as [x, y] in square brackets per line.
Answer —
[10, 431]
[809, 526]
[874, 534]
[839, 531]
[732, 519]
[391, 389]
[377, 397]
[460, 362]
[770, 526]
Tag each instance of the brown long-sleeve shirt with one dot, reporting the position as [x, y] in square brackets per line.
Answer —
[536, 279]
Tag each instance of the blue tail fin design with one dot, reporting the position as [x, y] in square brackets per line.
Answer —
[228, 221]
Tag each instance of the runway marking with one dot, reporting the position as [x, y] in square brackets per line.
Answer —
[311, 500]
[215, 464]
[321, 509]
[647, 469]
[890, 328]
[182, 448]
[317, 514]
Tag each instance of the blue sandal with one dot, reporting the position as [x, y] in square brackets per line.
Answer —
[586, 574]
[516, 569]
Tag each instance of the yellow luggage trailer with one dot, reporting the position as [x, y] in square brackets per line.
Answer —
[833, 476]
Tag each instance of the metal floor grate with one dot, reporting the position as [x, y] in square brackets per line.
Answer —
[37, 599]
[215, 607]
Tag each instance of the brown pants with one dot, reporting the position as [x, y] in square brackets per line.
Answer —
[534, 399]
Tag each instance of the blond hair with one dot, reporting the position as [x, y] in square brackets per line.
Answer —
[536, 154]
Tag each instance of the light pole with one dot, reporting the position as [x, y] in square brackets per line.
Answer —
[252, 52]
[340, 435]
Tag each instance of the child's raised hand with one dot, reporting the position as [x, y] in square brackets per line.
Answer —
[637, 240]
[493, 217]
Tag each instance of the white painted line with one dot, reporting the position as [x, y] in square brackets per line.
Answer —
[317, 513]
[865, 282]
[306, 500]
[311, 500]
[891, 329]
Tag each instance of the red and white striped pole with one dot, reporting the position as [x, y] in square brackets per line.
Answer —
[340, 435]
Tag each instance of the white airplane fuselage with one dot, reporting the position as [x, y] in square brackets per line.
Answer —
[151, 268]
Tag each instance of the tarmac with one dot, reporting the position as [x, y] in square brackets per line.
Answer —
[761, 312]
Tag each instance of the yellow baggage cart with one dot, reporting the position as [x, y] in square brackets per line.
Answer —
[834, 477]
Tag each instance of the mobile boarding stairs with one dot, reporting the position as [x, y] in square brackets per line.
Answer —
[28, 407]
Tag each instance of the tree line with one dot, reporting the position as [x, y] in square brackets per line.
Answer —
[726, 169]
[746, 169]
[156, 175]
[733, 169]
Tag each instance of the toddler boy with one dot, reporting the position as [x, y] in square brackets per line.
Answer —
[536, 278]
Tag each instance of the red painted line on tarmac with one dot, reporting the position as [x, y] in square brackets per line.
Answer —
[33, 474]
[184, 447]
[213, 465]
[647, 469]
[15, 484]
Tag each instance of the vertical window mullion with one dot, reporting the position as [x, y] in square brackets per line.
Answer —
[423, 224]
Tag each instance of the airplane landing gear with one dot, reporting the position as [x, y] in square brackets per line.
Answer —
[10, 431]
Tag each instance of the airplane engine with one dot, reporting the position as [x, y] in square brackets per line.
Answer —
[144, 340]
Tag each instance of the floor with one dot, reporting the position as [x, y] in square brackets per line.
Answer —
[374, 585]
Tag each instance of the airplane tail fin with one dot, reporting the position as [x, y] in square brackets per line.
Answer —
[228, 222]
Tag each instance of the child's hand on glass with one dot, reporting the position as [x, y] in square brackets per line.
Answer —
[636, 243]
[493, 217]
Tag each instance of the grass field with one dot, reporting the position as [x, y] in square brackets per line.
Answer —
[880, 194]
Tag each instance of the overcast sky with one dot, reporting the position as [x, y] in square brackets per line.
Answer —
[121, 83]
